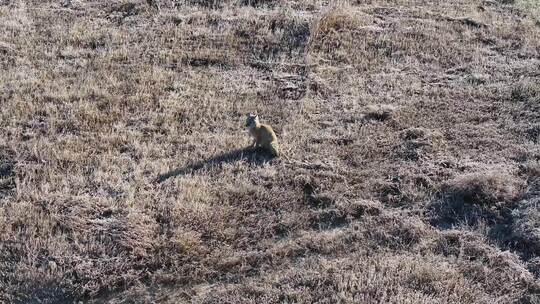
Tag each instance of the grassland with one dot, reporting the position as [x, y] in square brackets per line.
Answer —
[411, 129]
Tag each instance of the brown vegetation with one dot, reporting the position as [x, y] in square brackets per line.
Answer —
[490, 187]
[410, 128]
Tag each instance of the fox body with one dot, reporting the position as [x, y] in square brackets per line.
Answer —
[263, 135]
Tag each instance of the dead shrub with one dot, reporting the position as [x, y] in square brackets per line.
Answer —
[259, 3]
[335, 20]
[533, 133]
[7, 173]
[125, 9]
[379, 112]
[403, 190]
[449, 243]
[421, 133]
[328, 219]
[127, 237]
[531, 170]
[211, 4]
[204, 60]
[397, 232]
[418, 142]
[359, 208]
[526, 226]
[526, 92]
[265, 42]
[534, 266]
[292, 32]
[485, 188]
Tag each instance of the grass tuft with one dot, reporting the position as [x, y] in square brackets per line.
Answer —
[126, 177]
[486, 188]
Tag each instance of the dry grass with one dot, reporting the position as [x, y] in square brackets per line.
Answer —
[490, 187]
[124, 176]
[525, 226]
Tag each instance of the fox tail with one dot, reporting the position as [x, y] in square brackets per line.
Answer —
[274, 149]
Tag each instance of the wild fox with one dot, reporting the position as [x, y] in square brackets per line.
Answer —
[263, 135]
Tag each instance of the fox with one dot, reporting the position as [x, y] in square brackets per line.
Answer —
[263, 135]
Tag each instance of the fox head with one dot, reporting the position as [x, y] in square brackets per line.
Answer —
[252, 120]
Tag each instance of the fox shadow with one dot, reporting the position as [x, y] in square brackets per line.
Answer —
[255, 156]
